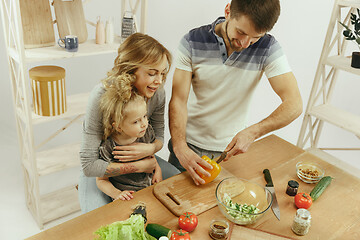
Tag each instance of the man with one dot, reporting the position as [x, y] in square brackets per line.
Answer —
[223, 62]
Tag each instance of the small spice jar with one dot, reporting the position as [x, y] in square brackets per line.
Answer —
[302, 222]
[219, 229]
[292, 188]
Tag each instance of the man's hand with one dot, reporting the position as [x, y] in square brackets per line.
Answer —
[192, 163]
[240, 143]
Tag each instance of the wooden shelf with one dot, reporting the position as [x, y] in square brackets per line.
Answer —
[38, 163]
[76, 105]
[59, 203]
[57, 159]
[343, 63]
[338, 117]
[88, 48]
[349, 3]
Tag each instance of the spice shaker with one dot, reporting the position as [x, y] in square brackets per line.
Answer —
[100, 32]
[109, 31]
[219, 229]
[302, 222]
[292, 188]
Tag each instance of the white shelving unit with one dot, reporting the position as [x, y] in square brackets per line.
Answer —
[319, 109]
[36, 164]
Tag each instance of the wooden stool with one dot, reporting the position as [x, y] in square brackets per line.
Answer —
[48, 88]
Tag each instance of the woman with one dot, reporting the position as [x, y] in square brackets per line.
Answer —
[149, 62]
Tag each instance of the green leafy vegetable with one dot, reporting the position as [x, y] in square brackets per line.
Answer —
[242, 212]
[131, 229]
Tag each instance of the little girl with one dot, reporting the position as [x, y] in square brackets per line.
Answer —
[125, 122]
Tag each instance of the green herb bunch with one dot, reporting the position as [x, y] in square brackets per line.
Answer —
[353, 34]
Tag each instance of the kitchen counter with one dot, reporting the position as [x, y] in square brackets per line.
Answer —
[335, 215]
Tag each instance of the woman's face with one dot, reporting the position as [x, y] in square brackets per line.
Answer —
[148, 79]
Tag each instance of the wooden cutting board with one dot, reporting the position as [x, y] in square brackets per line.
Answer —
[70, 19]
[180, 194]
[37, 24]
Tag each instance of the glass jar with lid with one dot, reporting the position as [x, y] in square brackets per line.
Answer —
[302, 222]
[219, 229]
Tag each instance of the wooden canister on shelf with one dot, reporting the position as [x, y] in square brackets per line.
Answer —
[48, 89]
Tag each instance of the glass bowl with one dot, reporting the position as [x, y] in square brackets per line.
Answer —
[309, 172]
[241, 201]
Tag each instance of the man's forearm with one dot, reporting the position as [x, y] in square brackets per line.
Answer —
[287, 112]
[177, 124]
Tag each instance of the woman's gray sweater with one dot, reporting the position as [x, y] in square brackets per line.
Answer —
[92, 132]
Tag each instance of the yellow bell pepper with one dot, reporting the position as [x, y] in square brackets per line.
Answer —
[214, 172]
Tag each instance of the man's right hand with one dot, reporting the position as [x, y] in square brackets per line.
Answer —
[192, 163]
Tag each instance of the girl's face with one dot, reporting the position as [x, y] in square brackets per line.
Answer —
[135, 122]
[148, 79]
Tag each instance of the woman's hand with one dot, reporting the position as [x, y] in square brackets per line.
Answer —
[134, 151]
[124, 195]
[146, 165]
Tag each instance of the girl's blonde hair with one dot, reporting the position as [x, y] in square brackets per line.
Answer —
[114, 101]
[136, 51]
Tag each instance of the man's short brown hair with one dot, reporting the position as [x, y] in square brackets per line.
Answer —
[263, 13]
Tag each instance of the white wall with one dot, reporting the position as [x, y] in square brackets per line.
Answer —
[300, 30]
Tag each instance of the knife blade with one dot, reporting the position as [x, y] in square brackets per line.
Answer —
[270, 186]
[222, 157]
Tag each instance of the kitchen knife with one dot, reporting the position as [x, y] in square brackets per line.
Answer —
[222, 157]
[270, 186]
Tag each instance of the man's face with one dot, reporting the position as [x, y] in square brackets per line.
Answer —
[240, 31]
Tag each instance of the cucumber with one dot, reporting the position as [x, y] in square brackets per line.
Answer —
[320, 187]
[157, 231]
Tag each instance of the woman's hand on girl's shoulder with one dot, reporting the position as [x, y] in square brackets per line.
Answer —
[134, 151]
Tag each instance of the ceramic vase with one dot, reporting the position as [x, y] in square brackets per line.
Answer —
[355, 60]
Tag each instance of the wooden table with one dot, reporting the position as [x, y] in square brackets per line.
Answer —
[335, 215]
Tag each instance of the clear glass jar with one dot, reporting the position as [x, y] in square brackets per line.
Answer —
[219, 229]
[302, 222]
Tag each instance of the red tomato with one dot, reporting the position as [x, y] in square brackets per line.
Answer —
[188, 221]
[303, 200]
[180, 235]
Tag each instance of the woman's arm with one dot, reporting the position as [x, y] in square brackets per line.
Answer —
[146, 165]
[92, 133]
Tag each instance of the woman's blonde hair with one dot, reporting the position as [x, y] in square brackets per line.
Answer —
[136, 51]
[114, 101]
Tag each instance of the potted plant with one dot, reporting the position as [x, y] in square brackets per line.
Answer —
[353, 35]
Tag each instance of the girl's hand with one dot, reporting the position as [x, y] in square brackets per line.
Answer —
[134, 151]
[157, 177]
[125, 195]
